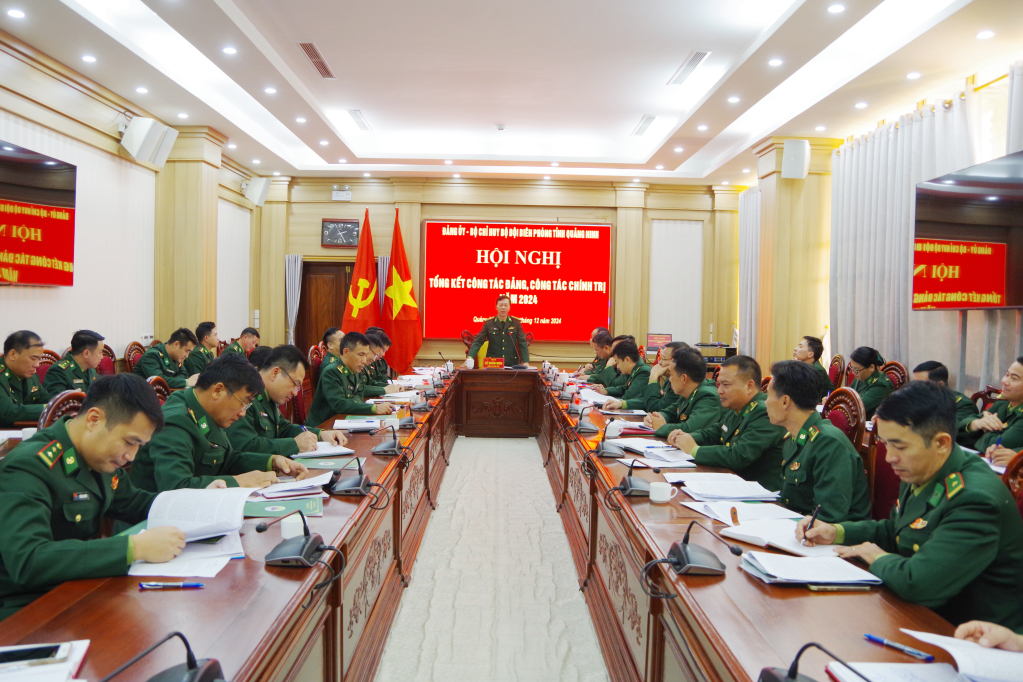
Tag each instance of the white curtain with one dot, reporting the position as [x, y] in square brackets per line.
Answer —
[749, 269]
[1014, 141]
[233, 227]
[872, 223]
[673, 242]
[292, 291]
[383, 266]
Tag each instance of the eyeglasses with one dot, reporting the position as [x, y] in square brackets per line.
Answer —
[294, 384]
[855, 370]
[245, 405]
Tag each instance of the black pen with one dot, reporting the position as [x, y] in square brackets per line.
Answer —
[813, 518]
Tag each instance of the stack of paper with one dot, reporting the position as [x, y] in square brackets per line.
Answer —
[308, 487]
[746, 511]
[635, 413]
[709, 491]
[777, 533]
[685, 462]
[200, 513]
[256, 508]
[357, 425]
[975, 662]
[590, 396]
[51, 672]
[894, 672]
[778, 568]
[324, 450]
[6, 435]
[690, 476]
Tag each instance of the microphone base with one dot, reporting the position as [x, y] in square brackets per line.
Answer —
[386, 449]
[695, 560]
[297, 552]
[782, 675]
[208, 670]
[421, 406]
[519, 367]
[558, 387]
[357, 486]
[430, 393]
[605, 449]
[634, 486]
[408, 422]
[565, 395]
[586, 427]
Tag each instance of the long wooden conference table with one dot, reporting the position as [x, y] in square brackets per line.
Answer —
[252, 617]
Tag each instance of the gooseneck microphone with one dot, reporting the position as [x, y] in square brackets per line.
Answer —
[300, 551]
[351, 485]
[585, 426]
[793, 675]
[387, 448]
[687, 559]
[261, 527]
[204, 670]
[605, 449]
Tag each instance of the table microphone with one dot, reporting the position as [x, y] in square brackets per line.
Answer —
[387, 449]
[585, 427]
[203, 670]
[695, 560]
[792, 674]
[605, 449]
[635, 486]
[302, 550]
[444, 371]
[352, 485]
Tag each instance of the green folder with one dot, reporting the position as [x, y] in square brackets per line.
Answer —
[310, 506]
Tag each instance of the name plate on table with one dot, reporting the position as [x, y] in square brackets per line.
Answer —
[492, 363]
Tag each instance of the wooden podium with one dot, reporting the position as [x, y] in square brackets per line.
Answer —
[498, 403]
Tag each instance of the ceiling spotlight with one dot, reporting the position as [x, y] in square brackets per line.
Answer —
[992, 198]
[861, 105]
[635, 179]
[365, 175]
[323, 143]
[678, 149]
[255, 160]
[913, 75]
[950, 182]
[836, 9]
[8, 149]
[457, 175]
[555, 163]
[54, 163]
[182, 115]
[820, 129]
[16, 13]
[232, 146]
[660, 167]
[270, 91]
[342, 160]
[546, 177]
[733, 100]
[230, 50]
[775, 62]
[745, 170]
[88, 58]
[448, 162]
[724, 182]
[299, 120]
[984, 35]
[277, 172]
[142, 91]
[701, 127]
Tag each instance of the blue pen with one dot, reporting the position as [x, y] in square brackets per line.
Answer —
[915, 653]
[170, 586]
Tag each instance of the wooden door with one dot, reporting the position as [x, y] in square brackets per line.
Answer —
[322, 304]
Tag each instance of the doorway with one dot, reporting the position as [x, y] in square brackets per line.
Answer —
[322, 303]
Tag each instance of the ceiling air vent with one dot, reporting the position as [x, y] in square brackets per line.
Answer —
[316, 58]
[359, 119]
[694, 59]
[644, 123]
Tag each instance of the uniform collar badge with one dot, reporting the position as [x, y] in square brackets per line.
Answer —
[114, 482]
[795, 466]
[801, 438]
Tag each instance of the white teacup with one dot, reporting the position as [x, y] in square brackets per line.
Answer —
[661, 492]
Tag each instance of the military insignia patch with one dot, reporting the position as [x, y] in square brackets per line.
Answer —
[801, 438]
[918, 524]
[684, 417]
[114, 482]
[814, 432]
[749, 408]
[794, 467]
[79, 497]
[78, 381]
[954, 484]
[50, 453]
[34, 389]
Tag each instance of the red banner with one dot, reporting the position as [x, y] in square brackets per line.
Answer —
[958, 274]
[37, 244]
[558, 277]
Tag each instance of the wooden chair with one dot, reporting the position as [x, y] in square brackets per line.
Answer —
[315, 361]
[64, 403]
[836, 371]
[988, 396]
[717, 371]
[1013, 477]
[467, 338]
[884, 483]
[896, 371]
[50, 357]
[844, 408]
[529, 342]
[108, 365]
[221, 345]
[156, 342]
[161, 388]
[764, 383]
[303, 401]
[132, 354]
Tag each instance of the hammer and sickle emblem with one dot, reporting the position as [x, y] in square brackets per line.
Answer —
[360, 302]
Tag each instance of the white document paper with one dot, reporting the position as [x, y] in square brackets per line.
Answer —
[230, 546]
[646, 462]
[643, 446]
[201, 513]
[894, 672]
[690, 476]
[978, 663]
[354, 425]
[325, 450]
[809, 570]
[311, 482]
[746, 511]
[634, 413]
[296, 494]
[706, 491]
[181, 568]
[777, 533]
[590, 396]
[6, 434]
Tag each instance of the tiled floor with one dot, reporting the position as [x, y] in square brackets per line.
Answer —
[494, 593]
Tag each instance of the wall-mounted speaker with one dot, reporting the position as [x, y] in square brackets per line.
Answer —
[148, 140]
[795, 162]
[257, 190]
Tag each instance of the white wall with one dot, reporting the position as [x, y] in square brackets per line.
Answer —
[676, 279]
[232, 269]
[114, 225]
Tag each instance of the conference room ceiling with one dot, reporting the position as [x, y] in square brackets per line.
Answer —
[569, 82]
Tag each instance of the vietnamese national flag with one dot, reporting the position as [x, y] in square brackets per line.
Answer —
[362, 309]
[400, 313]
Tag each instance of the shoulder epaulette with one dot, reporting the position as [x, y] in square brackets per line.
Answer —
[64, 364]
[749, 408]
[814, 432]
[954, 484]
[51, 453]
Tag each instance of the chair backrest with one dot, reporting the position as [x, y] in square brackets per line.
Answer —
[221, 345]
[64, 403]
[987, 397]
[49, 357]
[844, 408]
[717, 371]
[1013, 477]
[156, 342]
[303, 401]
[642, 353]
[764, 383]
[108, 352]
[315, 363]
[132, 354]
[884, 483]
[896, 371]
[66, 352]
[42, 369]
[836, 371]
[467, 338]
[106, 367]
[161, 387]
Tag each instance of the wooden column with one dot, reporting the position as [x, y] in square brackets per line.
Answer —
[795, 247]
[629, 261]
[185, 262]
[720, 305]
[273, 240]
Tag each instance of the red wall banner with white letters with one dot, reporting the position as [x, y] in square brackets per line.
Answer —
[37, 244]
[958, 274]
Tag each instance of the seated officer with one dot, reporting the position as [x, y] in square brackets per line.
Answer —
[636, 373]
[56, 487]
[205, 349]
[954, 541]
[745, 440]
[998, 433]
[21, 394]
[966, 409]
[375, 379]
[339, 389]
[600, 342]
[504, 336]
[809, 350]
[193, 449]
[657, 395]
[871, 383]
[76, 371]
[610, 376]
[697, 405]
[262, 427]
[259, 356]
[164, 360]
[245, 343]
[819, 464]
[332, 340]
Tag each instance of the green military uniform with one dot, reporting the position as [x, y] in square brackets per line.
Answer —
[634, 386]
[264, 429]
[191, 451]
[369, 388]
[235, 348]
[339, 391]
[67, 375]
[21, 400]
[744, 441]
[52, 504]
[506, 340]
[379, 372]
[966, 411]
[701, 409]
[824, 379]
[1011, 436]
[873, 390]
[156, 363]
[198, 359]
[956, 544]
[598, 366]
[821, 467]
[658, 395]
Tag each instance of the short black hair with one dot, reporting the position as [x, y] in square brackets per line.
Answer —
[690, 362]
[379, 338]
[924, 407]
[674, 346]
[816, 347]
[501, 297]
[257, 358]
[122, 397]
[626, 349]
[21, 340]
[329, 333]
[232, 370]
[353, 339]
[183, 336]
[747, 367]
[865, 356]
[84, 339]
[935, 370]
[249, 331]
[598, 330]
[602, 338]
[285, 356]
[798, 381]
[624, 337]
[373, 330]
[203, 330]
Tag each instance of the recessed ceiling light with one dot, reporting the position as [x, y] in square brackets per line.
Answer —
[724, 182]
[820, 129]
[861, 105]
[182, 115]
[8, 149]
[142, 91]
[255, 160]
[54, 163]
[457, 175]
[270, 91]
[660, 167]
[365, 175]
[299, 120]
[678, 149]
[546, 177]
[836, 9]
[277, 172]
[230, 50]
[775, 62]
[555, 163]
[635, 179]
[989, 198]
[16, 13]
[232, 146]
[984, 35]
[745, 170]
[88, 58]
[323, 143]
[733, 100]
[701, 127]
[448, 162]
[913, 75]
[342, 160]
[950, 182]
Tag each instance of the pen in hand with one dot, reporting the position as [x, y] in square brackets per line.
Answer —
[813, 519]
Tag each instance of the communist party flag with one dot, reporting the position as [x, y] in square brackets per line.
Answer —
[362, 310]
[401, 314]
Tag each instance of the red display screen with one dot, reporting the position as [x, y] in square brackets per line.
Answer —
[558, 277]
[37, 244]
[958, 274]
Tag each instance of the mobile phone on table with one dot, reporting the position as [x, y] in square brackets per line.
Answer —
[33, 654]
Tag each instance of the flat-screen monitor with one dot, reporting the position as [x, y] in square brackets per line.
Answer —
[37, 218]
[968, 246]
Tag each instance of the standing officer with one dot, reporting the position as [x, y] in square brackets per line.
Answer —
[21, 394]
[339, 389]
[954, 541]
[698, 404]
[76, 371]
[819, 464]
[245, 343]
[504, 335]
[966, 409]
[204, 351]
[809, 350]
[164, 359]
